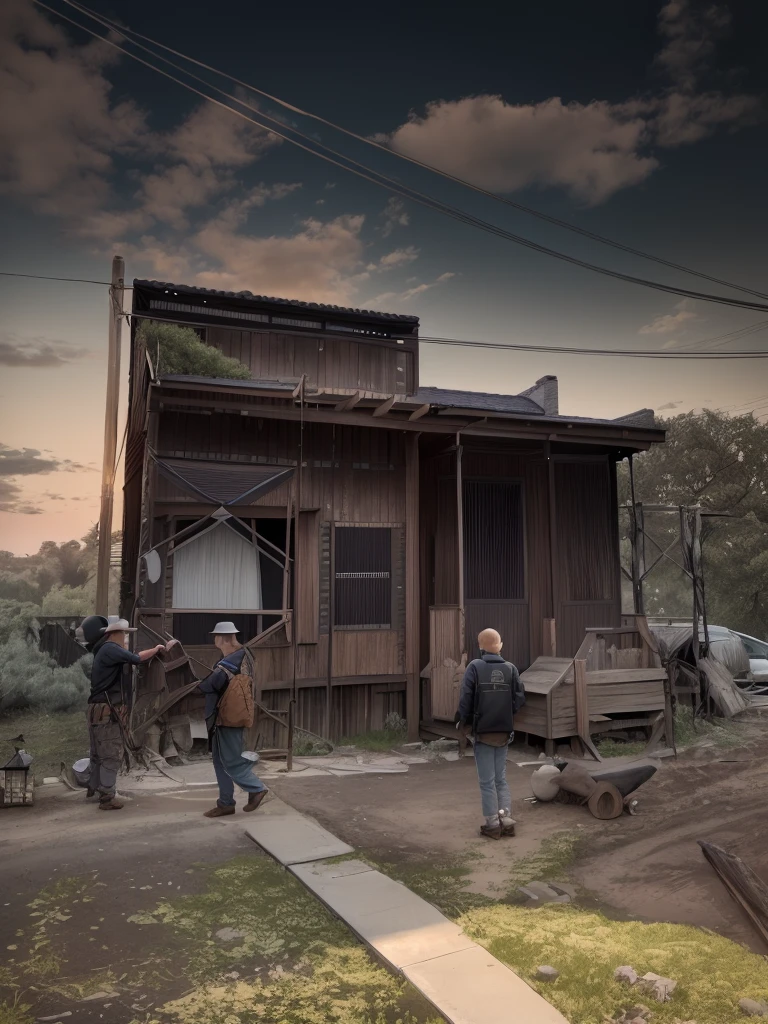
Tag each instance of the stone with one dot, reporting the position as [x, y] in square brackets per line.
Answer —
[547, 973]
[229, 934]
[753, 1008]
[626, 975]
[57, 1016]
[99, 995]
[656, 987]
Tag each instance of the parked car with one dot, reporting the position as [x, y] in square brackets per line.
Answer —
[758, 656]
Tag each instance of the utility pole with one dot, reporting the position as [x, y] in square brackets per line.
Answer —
[116, 291]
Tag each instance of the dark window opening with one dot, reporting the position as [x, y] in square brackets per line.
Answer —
[494, 540]
[363, 577]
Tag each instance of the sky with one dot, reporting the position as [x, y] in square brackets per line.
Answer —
[643, 122]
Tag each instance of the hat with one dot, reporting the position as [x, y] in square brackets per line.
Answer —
[223, 628]
[119, 626]
[93, 628]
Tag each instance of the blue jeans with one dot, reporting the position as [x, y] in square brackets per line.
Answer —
[492, 775]
[231, 767]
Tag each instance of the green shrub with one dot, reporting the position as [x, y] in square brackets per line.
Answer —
[174, 349]
[31, 679]
[15, 617]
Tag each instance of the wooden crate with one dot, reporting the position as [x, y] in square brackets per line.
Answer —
[16, 787]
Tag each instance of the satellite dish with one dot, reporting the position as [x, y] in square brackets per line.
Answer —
[154, 567]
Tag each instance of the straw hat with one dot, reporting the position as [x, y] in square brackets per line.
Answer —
[224, 629]
[119, 626]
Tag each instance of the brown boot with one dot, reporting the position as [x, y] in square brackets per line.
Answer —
[219, 812]
[113, 804]
[254, 800]
[490, 832]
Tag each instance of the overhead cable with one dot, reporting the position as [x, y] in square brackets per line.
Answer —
[354, 167]
[124, 30]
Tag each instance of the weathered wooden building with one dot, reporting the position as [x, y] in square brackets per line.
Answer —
[359, 528]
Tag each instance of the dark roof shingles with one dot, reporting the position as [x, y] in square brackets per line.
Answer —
[322, 307]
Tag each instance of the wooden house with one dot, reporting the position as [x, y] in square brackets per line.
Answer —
[358, 527]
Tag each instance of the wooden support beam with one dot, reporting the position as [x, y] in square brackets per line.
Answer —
[412, 587]
[421, 411]
[460, 546]
[383, 409]
[348, 403]
[550, 638]
[581, 698]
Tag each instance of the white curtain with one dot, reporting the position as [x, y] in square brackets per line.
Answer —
[218, 570]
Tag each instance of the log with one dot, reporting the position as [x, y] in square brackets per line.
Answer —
[747, 888]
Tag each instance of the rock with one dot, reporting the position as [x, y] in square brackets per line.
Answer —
[626, 975]
[753, 1008]
[547, 974]
[57, 1016]
[656, 987]
[229, 934]
[99, 995]
[544, 892]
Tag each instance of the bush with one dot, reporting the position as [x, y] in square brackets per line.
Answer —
[31, 679]
[15, 617]
[175, 349]
[75, 601]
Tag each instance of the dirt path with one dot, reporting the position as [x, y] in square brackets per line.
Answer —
[647, 867]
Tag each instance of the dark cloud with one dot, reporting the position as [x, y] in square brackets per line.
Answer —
[669, 405]
[11, 500]
[37, 352]
[25, 462]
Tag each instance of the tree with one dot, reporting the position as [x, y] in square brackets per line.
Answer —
[175, 349]
[721, 463]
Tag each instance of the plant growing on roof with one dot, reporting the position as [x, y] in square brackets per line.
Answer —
[179, 350]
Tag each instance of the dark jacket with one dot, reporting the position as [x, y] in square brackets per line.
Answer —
[488, 704]
[109, 661]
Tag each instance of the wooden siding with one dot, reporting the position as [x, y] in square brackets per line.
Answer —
[327, 361]
[444, 642]
[308, 595]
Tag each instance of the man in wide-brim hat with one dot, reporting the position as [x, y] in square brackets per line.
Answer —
[107, 706]
[226, 742]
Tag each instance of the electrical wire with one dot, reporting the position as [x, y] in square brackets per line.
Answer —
[43, 277]
[391, 185]
[124, 30]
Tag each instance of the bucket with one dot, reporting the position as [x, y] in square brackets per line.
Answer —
[82, 771]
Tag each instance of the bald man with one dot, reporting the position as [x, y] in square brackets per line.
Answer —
[491, 694]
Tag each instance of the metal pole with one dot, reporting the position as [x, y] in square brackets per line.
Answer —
[110, 434]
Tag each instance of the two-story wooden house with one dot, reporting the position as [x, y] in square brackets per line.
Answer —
[359, 528]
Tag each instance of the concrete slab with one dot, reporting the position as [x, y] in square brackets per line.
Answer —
[403, 928]
[471, 986]
[293, 838]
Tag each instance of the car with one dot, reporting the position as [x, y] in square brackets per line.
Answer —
[758, 656]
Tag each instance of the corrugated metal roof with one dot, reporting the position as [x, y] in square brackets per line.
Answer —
[323, 307]
[477, 400]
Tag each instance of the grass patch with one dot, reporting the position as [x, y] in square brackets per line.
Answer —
[50, 739]
[712, 972]
[689, 731]
[551, 863]
[618, 748]
[443, 884]
[391, 735]
[285, 957]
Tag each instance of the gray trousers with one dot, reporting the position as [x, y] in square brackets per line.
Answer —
[106, 750]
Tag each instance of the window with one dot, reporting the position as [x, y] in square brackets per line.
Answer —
[494, 540]
[753, 647]
[217, 569]
[363, 577]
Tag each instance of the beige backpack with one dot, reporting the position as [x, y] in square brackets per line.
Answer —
[236, 707]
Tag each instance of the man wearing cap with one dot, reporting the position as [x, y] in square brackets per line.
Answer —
[107, 704]
[226, 743]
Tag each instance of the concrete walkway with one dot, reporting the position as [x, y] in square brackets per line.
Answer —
[461, 979]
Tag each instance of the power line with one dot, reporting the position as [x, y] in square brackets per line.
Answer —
[43, 277]
[108, 23]
[391, 185]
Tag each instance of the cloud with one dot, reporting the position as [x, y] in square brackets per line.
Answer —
[591, 150]
[409, 293]
[59, 127]
[11, 500]
[29, 461]
[669, 405]
[394, 215]
[398, 258]
[37, 352]
[670, 322]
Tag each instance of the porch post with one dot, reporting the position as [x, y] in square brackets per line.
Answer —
[412, 587]
[460, 546]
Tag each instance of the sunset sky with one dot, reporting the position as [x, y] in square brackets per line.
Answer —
[641, 121]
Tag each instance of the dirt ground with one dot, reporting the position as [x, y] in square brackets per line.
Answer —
[647, 867]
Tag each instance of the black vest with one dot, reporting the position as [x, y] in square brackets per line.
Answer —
[494, 697]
